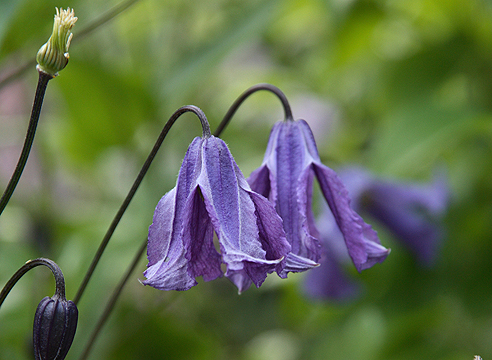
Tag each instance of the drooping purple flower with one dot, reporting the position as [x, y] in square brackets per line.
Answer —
[409, 210]
[286, 177]
[212, 195]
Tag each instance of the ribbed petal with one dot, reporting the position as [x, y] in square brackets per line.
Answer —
[198, 235]
[286, 178]
[168, 267]
[409, 210]
[232, 213]
[271, 232]
[362, 241]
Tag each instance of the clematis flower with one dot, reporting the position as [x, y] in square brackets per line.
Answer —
[212, 195]
[286, 177]
[410, 211]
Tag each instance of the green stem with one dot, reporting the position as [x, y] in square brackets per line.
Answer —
[31, 131]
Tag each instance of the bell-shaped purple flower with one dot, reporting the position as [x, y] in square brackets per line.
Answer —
[409, 210]
[212, 195]
[286, 177]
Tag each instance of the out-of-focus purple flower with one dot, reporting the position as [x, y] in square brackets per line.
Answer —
[330, 280]
[410, 211]
[286, 177]
[212, 194]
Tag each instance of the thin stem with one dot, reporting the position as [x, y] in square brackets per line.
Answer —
[112, 301]
[31, 131]
[136, 184]
[232, 110]
[55, 269]
[106, 17]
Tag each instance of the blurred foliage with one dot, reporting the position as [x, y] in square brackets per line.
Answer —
[404, 88]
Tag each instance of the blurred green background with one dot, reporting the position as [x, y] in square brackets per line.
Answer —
[400, 86]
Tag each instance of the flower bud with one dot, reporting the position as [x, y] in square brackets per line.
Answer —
[53, 56]
[55, 323]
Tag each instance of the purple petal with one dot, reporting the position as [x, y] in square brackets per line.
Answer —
[362, 241]
[167, 269]
[409, 210]
[271, 232]
[232, 213]
[198, 235]
[329, 282]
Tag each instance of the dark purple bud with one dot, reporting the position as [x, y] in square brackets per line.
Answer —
[55, 323]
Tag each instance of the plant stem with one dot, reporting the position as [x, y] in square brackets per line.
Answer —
[31, 131]
[206, 133]
[112, 301]
[136, 184]
[55, 269]
[268, 87]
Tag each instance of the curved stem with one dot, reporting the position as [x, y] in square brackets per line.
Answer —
[31, 131]
[55, 269]
[136, 184]
[232, 110]
[112, 301]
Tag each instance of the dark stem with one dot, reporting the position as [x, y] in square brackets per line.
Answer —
[112, 301]
[55, 269]
[232, 110]
[136, 184]
[31, 131]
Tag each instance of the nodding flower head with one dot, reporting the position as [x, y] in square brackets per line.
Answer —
[212, 195]
[53, 56]
[286, 178]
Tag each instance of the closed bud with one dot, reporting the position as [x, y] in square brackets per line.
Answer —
[53, 56]
[55, 323]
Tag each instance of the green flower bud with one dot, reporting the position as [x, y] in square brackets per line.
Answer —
[53, 56]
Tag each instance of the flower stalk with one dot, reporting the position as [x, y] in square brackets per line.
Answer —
[55, 321]
[52, 57]
[268, 87]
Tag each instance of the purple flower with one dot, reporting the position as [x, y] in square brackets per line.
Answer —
[330, 281]
[410, 211]
[212, 195]
[286, 177]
